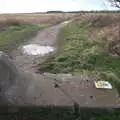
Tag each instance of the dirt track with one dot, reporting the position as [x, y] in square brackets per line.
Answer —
[44, 37]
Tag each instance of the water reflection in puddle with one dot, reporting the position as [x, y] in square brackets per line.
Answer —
[33, 49]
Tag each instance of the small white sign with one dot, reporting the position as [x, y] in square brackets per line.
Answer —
[103, 84]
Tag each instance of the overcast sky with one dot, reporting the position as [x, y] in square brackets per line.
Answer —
[22, 6]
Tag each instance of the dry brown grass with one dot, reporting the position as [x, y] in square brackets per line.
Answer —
[99, 19]
[39, 19]
[106, 29]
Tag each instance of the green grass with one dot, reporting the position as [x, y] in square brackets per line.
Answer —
[12, 35]
[80, 54]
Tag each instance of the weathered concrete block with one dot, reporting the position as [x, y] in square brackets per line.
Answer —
[25, 88]
[8, 71]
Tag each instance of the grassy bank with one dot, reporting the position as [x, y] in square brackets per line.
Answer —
[12, 35]
[85, 52]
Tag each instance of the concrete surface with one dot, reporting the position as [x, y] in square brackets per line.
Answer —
[25, 88]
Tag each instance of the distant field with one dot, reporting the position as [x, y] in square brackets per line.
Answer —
[41, 19]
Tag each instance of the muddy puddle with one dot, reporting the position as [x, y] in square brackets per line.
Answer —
[37, 50]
